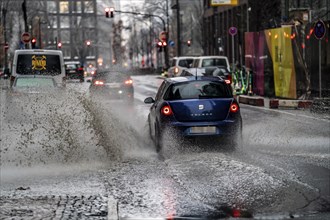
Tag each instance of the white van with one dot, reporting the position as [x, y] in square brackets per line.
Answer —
[39, 62]
[210, 61]
[177, 64]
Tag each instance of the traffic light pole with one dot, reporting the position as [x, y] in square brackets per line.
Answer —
[164, 28]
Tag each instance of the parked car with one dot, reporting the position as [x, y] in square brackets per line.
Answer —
[74, 70]
[112, 85]
[210, 61]
[201, 106]
[177, 64]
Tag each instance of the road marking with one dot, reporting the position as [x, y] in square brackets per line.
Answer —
[112, 209]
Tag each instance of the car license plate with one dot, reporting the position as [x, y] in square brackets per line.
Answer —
[203, 130]
[113, 85]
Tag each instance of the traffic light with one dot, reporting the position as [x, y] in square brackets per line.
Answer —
[111, 12]
[59, 45]
[107, 10]
[33, 43]
[160, 46]
[188, 43]
[88, 43]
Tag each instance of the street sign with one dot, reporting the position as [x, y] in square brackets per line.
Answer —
[171, 43]
[319, 29]
[162, 36]
[26, 37]
[232, 31]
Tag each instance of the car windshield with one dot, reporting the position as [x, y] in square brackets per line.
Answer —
[197, 90]
[34, 82]
[111, 76]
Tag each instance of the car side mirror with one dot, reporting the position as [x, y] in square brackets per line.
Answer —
[149, 100]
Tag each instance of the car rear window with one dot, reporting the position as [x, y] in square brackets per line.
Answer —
[185, 63]
[214, 62]
[198, 90]
[34, 82]
[71, 66]
[112, 76]
[38, 64]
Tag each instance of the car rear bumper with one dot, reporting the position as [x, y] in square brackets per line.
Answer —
[217, 128]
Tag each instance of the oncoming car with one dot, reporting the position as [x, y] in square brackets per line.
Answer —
[112, 85]
[73, 70]
[195, 106]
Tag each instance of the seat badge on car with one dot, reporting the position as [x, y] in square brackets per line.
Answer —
[200, 107]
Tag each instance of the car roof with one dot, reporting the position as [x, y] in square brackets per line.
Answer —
[71, 62]
[36, 51]
[209, 57]
[193, 78]
[185, 57]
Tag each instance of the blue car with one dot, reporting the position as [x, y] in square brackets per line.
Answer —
[195, 107]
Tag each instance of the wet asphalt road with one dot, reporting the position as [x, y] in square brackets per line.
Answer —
[282, 171]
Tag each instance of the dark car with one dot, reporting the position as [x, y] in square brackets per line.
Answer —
[74, 70]
[112, 85]
[201, 106]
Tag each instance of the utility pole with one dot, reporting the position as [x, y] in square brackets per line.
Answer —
[178, 27]
[4, 12]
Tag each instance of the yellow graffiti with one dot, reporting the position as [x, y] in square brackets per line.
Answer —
[39, 62]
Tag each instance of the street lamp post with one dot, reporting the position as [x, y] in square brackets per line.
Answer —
[248, 18]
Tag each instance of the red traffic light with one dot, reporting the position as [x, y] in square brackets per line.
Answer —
[164, 44]
[33, 43]
[159, 44]
[111, 12]
[59, 45]
[88, 43]
[189, 43]
[107, 10]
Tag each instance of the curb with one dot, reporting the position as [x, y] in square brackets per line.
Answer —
[275, 103]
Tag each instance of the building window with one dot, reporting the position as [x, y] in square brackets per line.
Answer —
[88, 7]
[65, 36]
[65, 22]
[64, 7]
[51, 37]
[89, 23]
[51, 7]
[76, 8]
[76, 21]
[52, 21]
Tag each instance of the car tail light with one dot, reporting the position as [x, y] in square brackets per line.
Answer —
[229, 78]
[227, 81]
[176, 70]
[93, 72]
[80, 69]
[129, 82]
[234, 108]
[166, 110]
[98, 83]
